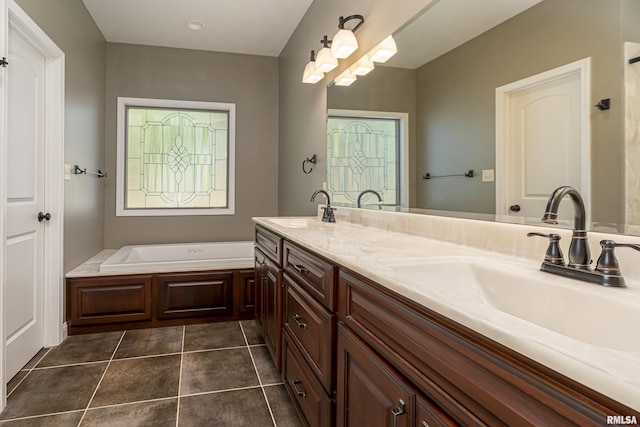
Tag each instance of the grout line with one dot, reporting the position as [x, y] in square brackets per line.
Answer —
[216, 349]
[29, 371]
[31, 417]
[184, 331]
[101, 378]
[255, 367]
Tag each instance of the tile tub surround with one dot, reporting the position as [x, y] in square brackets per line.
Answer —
[369, 242]
[213, 374]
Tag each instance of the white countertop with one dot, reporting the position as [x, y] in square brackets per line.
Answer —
[373, 251]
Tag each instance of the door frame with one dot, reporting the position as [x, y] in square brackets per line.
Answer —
[581, 67]
[13, 16]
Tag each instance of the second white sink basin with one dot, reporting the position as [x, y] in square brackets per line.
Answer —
[586, 312]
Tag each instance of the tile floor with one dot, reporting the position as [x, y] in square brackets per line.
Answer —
[216, 374]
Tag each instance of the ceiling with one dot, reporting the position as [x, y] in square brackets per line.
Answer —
[254, 27]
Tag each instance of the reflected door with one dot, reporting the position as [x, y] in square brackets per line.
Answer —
[544, 145]
[24, 246]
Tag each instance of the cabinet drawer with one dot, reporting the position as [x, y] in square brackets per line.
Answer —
[311, 273]
[270, 244]
[97, 300]
[428, 415]
[307, 393]
[312, 328]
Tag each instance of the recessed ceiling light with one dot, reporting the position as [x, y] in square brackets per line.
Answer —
[195, 25]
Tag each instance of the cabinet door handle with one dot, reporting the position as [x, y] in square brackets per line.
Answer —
[301, 269]
[301, 325]
[298, 392]
[425, 424]
[396, 412]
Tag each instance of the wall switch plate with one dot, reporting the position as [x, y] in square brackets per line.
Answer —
[67, 172]
[488, 175]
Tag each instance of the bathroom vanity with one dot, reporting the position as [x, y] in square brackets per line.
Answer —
[440, 324]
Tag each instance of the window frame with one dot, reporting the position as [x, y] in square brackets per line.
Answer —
[121, 151]
[403, 143]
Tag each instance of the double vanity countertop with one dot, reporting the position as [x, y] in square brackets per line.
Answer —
[587, 332]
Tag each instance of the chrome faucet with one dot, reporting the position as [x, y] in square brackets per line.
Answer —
[368, 191]
[327, 216]
[606, 273]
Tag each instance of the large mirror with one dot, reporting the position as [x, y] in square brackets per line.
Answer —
[463, 72]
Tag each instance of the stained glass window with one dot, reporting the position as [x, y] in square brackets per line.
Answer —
[363, 154]
[176, 158]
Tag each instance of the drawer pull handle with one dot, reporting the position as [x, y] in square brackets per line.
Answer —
[301, 269]
[396, 412]
[425, 424]
[298, 392]
[301, 325]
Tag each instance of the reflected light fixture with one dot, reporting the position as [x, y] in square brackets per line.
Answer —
[310, 75]
[363, 67]
[344, 43]
[324, 61]
[385, 50]
[345, 79]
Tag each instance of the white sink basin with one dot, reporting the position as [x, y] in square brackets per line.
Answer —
[586, 312]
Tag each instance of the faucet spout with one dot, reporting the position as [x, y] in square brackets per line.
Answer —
[579, 254]
[368, 191]
[328, 215]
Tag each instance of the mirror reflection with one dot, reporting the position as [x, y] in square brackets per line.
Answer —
[514, 99]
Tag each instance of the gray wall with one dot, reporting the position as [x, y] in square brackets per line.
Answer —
[456, 100]
[303, 107]
[251, 82]
[70, 26]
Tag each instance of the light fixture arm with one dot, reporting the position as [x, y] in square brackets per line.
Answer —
[342, 20]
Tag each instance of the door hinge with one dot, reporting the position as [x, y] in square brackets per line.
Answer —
[4, 62]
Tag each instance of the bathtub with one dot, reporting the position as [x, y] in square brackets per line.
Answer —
[182, 256]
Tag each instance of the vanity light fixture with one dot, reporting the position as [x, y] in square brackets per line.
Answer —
[344, 43]
[324, 61]
[363, 67]
[345, 79]
[385, 50]
[310, 75]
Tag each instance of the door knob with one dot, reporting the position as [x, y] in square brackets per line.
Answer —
[514, 208]
[43, 216]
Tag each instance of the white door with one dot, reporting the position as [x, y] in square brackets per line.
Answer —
[545, 145]
[24, 250]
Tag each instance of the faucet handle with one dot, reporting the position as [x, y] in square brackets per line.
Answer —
[328, 215]
[554, 253]
[607, 262]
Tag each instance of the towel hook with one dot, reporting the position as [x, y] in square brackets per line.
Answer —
[311, 160]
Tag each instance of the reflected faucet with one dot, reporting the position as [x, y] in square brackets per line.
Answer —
[327, 216]
[369, 191]
[579, 255]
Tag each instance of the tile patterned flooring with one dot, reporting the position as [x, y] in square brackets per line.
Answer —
[215, 374]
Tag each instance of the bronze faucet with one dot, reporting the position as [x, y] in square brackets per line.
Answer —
[327, 216]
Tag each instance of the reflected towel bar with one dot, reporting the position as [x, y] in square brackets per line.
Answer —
[468, 174]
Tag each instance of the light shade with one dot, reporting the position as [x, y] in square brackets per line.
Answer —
[363, 67]
[310, 75]
[324, 61]
[344, 44]
[345, 79]
[385, 50]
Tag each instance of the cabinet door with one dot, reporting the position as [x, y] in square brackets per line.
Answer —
[194, 295]
[246, 292]
[259, 277]
[273, 311]
[369, 392]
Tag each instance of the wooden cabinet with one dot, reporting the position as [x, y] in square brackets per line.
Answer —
[268, 282]
[107, 303]
[312, 274]
[194, 295]
[101, 300]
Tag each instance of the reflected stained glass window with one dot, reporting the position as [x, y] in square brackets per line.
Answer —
[176, 158]
[363, 154]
